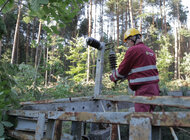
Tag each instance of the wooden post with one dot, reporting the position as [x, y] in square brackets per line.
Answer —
[77, 130]
[39, 133]
[140, 129]
[99, 70]
[54, 129]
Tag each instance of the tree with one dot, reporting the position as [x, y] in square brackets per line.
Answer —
[77, 55]
[89, 34]
[16, 34]
[164, 59]
[179, 15]
[131, 13]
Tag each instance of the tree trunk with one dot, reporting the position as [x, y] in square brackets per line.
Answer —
[131, 13]
[27, 42]
[0, 49]
[117, 16]
[178, 40]
[33, 38]
[15, 35]
[89, 34]
[161, 15]
[46, 73]
[38, 45]
[165, 24]
[17, 48]
[94, 52]
[176, 54]
[126, 16]
[140, 12]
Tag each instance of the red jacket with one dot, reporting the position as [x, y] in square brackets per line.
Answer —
[138, 66]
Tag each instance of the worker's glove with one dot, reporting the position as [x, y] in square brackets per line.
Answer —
[113, 79]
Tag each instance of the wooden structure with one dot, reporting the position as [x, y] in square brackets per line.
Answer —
[43, 120]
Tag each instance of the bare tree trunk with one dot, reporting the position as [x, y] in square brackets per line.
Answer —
[179, 43]
[117, 16]
[94, 52]
[165, 24]
[176, 54]
[162, 27]
[17, 48]
[51, 70]
[15, 36]
[46, 73]
[33, 38]
[27, 42]
[126, 16]
[89, 34]
[131, 13]
[0, 48]
[140, 12]
[38, 44]
[101, 21]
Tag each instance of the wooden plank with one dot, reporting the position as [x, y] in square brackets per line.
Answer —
[20, 135]
[175, 101]
[157, 118]
[78, 106]
[140, 129]
[39, 133]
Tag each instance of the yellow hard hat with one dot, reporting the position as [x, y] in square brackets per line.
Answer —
[131, 32]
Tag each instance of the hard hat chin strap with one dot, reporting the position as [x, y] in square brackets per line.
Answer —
[136, 37]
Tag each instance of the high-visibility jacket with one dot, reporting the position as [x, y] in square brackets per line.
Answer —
[138, 66]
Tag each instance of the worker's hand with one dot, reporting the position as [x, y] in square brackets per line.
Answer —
[113, 79]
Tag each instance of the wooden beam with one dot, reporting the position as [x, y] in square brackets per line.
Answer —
[174, 101]
[157, 118]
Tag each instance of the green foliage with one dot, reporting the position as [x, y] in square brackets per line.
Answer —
[185, 67]
[25, 78]
[164, 59]
[78, 57]
[8, 7]
[176, 5]
[185, 32]
[26, 19]
[62, 89]
[2, 27]
[120, 54]
[83, 30]
[151, 39]
[8, 96]
[55, 11]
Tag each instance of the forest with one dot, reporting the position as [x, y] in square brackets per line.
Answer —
[43, 51]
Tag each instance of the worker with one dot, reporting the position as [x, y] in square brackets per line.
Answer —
[139, 68]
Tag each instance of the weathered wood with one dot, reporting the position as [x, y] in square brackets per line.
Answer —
[99, 70]
[20, 135]
[175, 101]
[21, 124]
[157, 118]
[54, 130]
[83, 106]
[39, 133]
[57, 130]
[102, 134]
[140, 129]
[77, 130]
